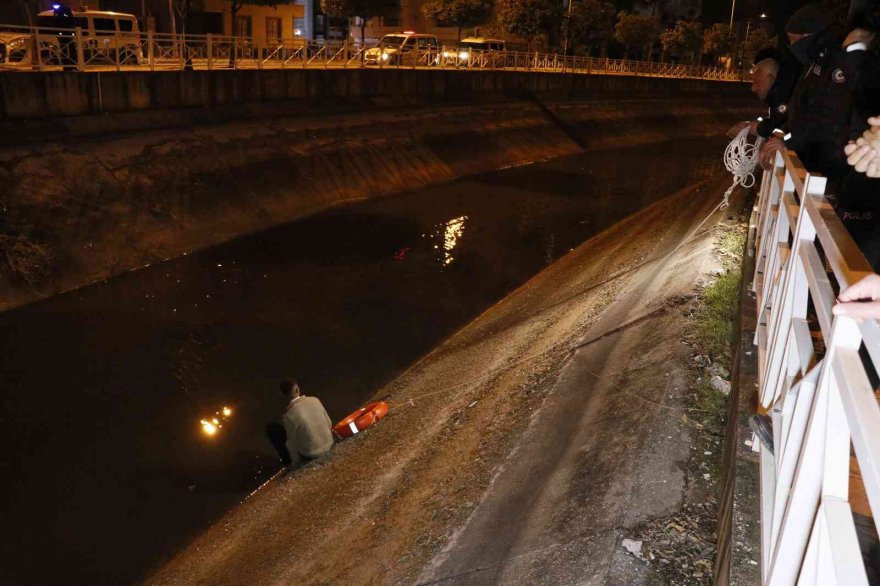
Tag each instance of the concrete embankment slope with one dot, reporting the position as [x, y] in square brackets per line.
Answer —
[112, 192]
[521, 459]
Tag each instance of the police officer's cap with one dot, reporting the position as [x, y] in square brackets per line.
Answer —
[810, 19]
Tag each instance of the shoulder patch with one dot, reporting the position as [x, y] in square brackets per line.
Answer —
[782, 108]
[838, 76]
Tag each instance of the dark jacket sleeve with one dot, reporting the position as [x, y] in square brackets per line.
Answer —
[862, 71]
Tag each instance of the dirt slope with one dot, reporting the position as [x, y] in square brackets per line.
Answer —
[518, 461]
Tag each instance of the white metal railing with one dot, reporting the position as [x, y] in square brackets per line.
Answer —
[53, 49]
[813, 384]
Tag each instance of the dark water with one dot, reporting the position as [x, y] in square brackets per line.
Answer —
[106, 469]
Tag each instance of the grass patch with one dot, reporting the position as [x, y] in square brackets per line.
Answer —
[713, 406]
[719, 301]
[717, 314]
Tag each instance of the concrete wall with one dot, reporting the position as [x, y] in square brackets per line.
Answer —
[106, 193]
[41, 96]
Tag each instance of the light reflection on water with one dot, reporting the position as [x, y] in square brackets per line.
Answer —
[448, 234]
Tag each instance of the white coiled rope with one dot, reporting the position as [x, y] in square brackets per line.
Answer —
[741, 158]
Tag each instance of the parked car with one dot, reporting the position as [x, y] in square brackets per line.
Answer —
[407, 48]
[107, 37]
[15, 50]
[475, 52]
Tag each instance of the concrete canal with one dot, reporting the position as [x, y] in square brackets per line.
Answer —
[112, 458]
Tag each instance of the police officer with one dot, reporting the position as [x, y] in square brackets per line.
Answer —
[820, 108]
[774, 76]
[858, 203]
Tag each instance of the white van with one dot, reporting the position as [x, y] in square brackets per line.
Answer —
[406, 48]
[107, 37]
[476, 52]
[15, 50]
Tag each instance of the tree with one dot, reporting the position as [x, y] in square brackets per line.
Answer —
[719, 40]
[459, 13]
[685, 39]
[528, 18]
[363, 9]
[592, 23]
[758, 39]
[636, 30]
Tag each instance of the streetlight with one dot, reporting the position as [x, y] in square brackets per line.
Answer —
[567, 30]
[749, 24]
[746, 39]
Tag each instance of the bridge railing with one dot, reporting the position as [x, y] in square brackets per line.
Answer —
[53, 49]
[814, 384]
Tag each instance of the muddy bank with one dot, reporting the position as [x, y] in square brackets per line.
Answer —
[80, 211]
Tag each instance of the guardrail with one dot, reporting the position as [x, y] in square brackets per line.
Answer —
[52, 49]
[814, 384]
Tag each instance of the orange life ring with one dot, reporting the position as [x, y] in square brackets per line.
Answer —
[361, 419]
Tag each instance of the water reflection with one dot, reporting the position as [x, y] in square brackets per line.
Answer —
[212, 425]
[449, 234]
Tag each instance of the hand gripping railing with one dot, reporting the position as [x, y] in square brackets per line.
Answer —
[818, 394]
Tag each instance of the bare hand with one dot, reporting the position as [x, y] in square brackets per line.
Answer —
[768, 152]
[858, 35]
[860, 300]
[863, 158]
[864, 153]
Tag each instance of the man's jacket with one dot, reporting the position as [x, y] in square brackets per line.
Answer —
[820, 111]
[308, 427]
[780, 94]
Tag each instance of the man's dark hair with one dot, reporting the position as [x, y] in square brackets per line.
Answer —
[767, 53]
[289, 387]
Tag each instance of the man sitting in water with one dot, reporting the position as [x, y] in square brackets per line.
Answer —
[305, 429]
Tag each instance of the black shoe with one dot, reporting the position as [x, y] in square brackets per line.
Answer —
[762, 426]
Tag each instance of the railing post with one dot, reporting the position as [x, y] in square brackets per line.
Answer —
[209, 47]
[80, 52]
[117, 50]
[38, 54]
[150, 48]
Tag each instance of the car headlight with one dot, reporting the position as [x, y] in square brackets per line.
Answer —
[463, 55]
[447, 54]
[384, 56]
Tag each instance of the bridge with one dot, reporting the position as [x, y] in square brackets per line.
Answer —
[53, 49]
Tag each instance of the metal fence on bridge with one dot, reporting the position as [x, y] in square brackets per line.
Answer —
[53, 49]
[815, 384]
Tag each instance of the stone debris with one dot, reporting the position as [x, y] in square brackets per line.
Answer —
[634, 547]
[681, 546]
[720, 385]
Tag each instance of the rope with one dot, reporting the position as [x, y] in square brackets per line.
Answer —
[741, 158]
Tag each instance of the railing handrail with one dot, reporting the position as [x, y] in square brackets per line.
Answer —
[51, 48]
[819, 407]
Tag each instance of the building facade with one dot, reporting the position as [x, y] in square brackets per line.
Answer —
[266, 24]
[411, 18]
[301, 19]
